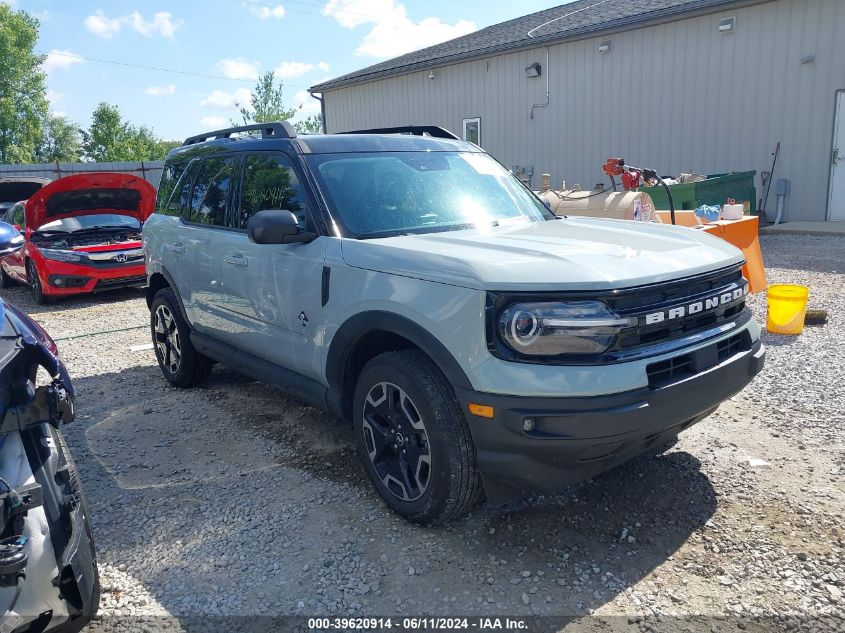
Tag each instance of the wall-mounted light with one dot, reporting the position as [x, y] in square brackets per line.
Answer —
[727, 25]
[605, 46]
[431, 74]
[533, 70]
[809, 59]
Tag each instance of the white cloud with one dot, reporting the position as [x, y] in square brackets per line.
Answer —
[266, 12]
[393, 32]
[161, 91]
[162, 24]
[238, 68]
[60, 60]
[323, 66]
[289, 70]
[222, 99]
[101, 25]
[213, 121]
[54, 96]
[309, 105]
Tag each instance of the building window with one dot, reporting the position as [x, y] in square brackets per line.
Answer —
[472, 130]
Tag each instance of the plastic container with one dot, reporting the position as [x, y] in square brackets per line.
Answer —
[787, 307]
[732, 211]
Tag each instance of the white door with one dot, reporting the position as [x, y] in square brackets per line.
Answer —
[836, 204]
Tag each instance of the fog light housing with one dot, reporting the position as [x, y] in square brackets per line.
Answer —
[58, 282]
[528, 425]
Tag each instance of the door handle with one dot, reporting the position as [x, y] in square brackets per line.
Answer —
[236, 259]
[178, 247]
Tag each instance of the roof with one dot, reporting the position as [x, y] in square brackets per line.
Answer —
[569, 20]
[323, 144]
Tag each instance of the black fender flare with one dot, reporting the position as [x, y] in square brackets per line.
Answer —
[172, 283]
[359, 325]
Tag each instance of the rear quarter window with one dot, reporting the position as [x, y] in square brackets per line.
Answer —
[169, 178]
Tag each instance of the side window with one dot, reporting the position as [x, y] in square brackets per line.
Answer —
[169, 179]
[18, 216]
[177, 204]
[210, 196]
[269, 182]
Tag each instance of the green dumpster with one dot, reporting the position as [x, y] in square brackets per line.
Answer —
[715, 190]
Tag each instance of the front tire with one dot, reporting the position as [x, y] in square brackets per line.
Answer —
[414, 440]
[180, 363]
[35, 284]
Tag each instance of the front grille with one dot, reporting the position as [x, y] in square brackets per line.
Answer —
[121, 281]
[679, 367]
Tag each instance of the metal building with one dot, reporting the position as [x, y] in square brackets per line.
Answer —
[707, 86]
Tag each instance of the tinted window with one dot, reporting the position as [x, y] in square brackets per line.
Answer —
[181, 194]
[17, 216]
[210, 196]
[169, 179]
[269, 182]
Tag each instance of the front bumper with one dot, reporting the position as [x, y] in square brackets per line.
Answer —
[573, 439]
[60, 279]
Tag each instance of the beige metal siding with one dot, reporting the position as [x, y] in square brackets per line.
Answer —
[678, 97]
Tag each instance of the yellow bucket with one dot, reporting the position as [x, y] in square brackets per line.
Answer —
[787, 307]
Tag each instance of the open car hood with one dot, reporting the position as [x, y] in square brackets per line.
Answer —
[92, 193]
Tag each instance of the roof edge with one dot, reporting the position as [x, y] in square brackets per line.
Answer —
[701, 7]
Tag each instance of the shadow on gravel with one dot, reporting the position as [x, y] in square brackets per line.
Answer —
[141, 464]
[21, 296]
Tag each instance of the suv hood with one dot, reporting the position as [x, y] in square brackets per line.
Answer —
[91, 194]
[564, 254]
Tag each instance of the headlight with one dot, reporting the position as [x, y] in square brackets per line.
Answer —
[559, 328]
[61, 256]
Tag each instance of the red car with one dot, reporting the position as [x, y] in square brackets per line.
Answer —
[82, 234]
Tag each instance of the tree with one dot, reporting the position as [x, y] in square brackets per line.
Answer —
[23, 100]
[62, 141]
[110, 138]
[267, 103]
[311, 125]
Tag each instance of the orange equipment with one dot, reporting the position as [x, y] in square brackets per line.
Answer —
[741, 233]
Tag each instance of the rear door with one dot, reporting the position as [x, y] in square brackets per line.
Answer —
[273, 290]
[204, 228]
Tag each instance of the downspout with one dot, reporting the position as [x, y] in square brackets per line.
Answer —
[545, 71]
[322, 110]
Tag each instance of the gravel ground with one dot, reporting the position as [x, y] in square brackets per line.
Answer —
[232, 499]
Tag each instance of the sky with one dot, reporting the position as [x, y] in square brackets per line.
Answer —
[180, 66]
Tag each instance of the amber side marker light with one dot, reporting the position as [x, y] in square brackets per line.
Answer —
[481, 410]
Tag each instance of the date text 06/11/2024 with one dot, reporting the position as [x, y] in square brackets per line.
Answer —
[417, 624]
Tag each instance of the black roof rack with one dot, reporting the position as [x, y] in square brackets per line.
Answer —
[278, 129]
[416, 130]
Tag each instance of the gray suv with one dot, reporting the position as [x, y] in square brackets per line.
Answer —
[405, 281]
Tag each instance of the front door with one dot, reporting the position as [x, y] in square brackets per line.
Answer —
[836, 203]
[273, 291]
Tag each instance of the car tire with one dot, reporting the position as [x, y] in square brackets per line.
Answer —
[180, 363]
[5, 280]
[35, 284]
[414, 440]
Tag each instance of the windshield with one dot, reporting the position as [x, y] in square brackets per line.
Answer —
[392, 193]
[87, 222]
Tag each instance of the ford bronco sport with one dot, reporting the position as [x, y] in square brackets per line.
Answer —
[410, 284]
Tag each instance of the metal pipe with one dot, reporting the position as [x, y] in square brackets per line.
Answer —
[322, 110]
[548, 88]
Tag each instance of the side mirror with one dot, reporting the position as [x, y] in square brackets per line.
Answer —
[11, 239]
[276, 227]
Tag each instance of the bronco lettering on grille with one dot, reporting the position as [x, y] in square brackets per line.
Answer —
[697, 307]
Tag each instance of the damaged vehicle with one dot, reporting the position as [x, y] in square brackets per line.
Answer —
[82, 234]
[48, 572]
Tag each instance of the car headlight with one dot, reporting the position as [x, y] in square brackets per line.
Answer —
[560, 328]
[61, 256]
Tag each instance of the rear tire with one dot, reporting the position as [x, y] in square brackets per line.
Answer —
[181, 364]
[414, 440]
[35, 283]
[5, 280]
